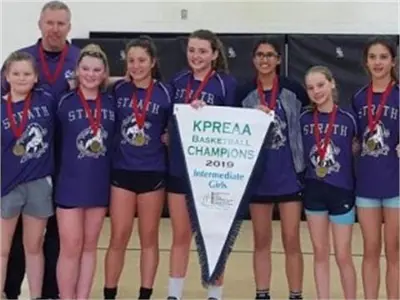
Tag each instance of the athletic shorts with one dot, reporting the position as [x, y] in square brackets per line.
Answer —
[322, 198]
[377, 203]
[268, 199]
[33, 198]
[62, 206]
[178, 185]
[138, 182]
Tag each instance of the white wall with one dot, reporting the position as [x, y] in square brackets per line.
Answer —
[19, 18]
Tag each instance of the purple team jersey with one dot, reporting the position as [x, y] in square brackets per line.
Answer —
[279, 176]
[60, 86]
[378, 170]
[338, 158]
[37, 139]
[132, 156]
[219, 90]
[83, 179]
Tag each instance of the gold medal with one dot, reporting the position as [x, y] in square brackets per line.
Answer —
[95, 146]
[140, 139]
[18, 150]
[371, 145]
[321, 172]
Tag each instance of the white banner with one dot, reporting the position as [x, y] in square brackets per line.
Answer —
[221, 146]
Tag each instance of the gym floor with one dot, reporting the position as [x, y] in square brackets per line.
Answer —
[239, 283]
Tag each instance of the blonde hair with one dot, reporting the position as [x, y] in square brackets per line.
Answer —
[94, 50]
[329, 76]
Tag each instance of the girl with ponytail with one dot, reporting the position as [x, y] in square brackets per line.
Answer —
[205, 83]
[85, 119]
[138, 175]
[328, 133]
[377, 190]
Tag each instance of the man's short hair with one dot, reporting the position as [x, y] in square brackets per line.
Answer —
[56, 5]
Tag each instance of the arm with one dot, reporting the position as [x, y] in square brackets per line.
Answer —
[230, 92]
[356, 146]
[301, 94]
[170, 112]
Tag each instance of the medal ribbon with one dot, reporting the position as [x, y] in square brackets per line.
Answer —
[372, 122]
[322, 148]
[18, 130]
[45, 67]
[94, 119]
[196, 94]
[274, 93]
[141, 116]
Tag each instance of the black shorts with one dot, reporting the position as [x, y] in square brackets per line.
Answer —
[73, 207]
[138, 182]
[268, 199]
[177, 185]
[320, 196]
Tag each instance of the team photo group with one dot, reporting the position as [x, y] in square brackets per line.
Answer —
[79, 146]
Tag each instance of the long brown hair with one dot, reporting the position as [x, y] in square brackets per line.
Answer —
[390, 46]
[145, 42]
[274, 45]
[221, 63]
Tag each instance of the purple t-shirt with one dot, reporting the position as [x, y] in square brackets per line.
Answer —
[83, 178]
[60, 86]
[338, 158]
[130, 155]
[279, 176]
[378, 170]
[219, 90]
[37, 139]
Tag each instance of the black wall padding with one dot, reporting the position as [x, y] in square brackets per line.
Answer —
[170, 57]
[114, 50]
[238, 50]
[342, 54]
[169, 53]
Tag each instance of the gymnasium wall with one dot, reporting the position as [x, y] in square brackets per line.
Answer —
[19, 18]
[309, 32]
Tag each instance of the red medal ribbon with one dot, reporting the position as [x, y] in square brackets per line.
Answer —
[141, 116]
[94, 119]
[274, 93]
[45, 67]
[18, 130]
[372, 122]
[322, 148]
[196, 94]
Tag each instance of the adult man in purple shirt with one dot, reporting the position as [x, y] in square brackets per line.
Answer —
[56, 59]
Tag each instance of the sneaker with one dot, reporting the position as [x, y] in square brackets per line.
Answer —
[263, 297]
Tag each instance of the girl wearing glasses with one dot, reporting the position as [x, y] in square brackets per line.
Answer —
[278, 173]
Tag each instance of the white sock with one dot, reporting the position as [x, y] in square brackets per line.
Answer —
[175, 287]
[215, 291]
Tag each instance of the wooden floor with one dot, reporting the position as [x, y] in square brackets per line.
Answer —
[238, 278]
